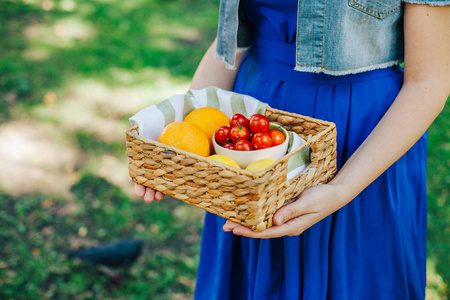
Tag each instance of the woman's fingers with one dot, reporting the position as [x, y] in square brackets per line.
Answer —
[151, 194]
[230, 225]
[293, 210]
[148, 193]
[139, 190]
[159, 196]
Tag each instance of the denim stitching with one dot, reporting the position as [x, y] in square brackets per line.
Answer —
[225, 40]
[323, 31]
[371, 12]
[391, 61]
[297, 37]
[236, 31]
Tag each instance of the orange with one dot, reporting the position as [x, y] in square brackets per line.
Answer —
[185, 136]
[209, 119]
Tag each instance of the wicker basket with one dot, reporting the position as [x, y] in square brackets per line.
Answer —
[248, 198]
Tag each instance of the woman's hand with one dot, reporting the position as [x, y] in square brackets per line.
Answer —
[148, 193]
[313, 205]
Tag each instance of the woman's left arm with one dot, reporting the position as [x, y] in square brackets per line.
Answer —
[421, 99]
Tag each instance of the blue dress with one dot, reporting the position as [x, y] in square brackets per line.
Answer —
[372, 248]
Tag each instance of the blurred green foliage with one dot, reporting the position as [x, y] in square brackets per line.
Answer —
[37, 231]
[45, 46]
[439, 196]
[46, 43]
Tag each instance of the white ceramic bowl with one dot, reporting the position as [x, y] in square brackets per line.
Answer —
[244, 158]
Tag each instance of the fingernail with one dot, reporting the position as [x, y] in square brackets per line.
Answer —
[280, 220]
[226, 229]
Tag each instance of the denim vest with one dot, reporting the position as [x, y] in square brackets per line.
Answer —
[336, 37]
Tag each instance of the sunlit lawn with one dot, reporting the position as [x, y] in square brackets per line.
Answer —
[71, 73]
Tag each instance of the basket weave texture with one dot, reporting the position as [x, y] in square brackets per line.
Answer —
[245, 197]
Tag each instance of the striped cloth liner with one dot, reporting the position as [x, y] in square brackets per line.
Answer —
[152, 119]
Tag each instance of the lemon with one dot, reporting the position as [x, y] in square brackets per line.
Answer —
[224, 159]
[261, 164]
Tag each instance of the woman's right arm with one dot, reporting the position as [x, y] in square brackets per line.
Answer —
[210, 72]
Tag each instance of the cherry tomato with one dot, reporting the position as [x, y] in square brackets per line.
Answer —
[258, 123]
[238, 133]
[277, 137]
[243, 145]
[261, 140]
[228, 146]
[238, 119]
[222, 134]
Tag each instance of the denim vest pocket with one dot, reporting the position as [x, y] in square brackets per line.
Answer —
[376, 8]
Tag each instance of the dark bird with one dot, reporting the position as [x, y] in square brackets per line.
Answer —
[112, 256]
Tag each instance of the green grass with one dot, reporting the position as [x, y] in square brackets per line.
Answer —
[438, 199]
[37, 231]
[71, 73]
[60, 73]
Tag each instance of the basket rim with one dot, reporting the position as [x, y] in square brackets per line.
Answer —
[283, 112]
[330, 125]
[134, 132]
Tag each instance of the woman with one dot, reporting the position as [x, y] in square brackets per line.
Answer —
[363, 235]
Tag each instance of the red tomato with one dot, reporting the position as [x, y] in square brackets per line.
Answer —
[228, 146]
[243, 145]
[258, 123]
[238, 119]
[238, 133]
[277, 137]
[222, 134]
[261, 140]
